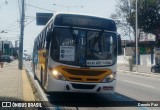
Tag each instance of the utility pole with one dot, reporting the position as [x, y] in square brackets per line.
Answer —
[136, 37]
[20, 66]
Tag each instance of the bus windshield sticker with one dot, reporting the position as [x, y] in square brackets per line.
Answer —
[82, 60]
[67, 53]
[98, 62]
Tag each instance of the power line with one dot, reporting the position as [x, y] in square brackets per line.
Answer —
[40, 8]
[29, 22]
[5, 2]
[8, 37]
[30, 17]
[11, 25]
[7, 28]
[12, 30]
[8, 2]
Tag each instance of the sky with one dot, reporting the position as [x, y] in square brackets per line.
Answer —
[10, 15]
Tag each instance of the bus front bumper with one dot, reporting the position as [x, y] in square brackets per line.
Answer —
[55, 85]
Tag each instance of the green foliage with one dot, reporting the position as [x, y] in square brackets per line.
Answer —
[148, 14]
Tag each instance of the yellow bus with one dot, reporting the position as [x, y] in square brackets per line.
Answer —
[77, 53]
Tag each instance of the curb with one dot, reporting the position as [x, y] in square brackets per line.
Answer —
[141, 73]
[39, 92]
[42, 96]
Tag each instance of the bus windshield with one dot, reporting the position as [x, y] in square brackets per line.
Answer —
[86, 48]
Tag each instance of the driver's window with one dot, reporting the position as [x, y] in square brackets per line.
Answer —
[65, 38]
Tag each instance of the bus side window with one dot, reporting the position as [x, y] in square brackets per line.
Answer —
[55, 45]
[48, 39]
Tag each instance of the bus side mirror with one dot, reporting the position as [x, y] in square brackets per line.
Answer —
[48, 39]
[119, 45]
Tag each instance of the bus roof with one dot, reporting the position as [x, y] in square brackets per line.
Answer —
[84, 21]
[83, 14]
[81, 21]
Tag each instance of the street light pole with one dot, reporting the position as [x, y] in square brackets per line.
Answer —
[20, 66]
[136, 38]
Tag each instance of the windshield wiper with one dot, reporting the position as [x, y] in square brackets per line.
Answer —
[97, 37]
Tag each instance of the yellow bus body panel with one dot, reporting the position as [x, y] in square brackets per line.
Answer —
[83, 74]
[41, 58]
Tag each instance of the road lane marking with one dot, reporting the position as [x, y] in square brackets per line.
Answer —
[138, 84]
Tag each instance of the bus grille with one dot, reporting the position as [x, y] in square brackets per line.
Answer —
[77, 79]
[81, 79]
[82, 86]
[89, 79]
[83, 72]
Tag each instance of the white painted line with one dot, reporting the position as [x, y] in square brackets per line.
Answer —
[138, 84]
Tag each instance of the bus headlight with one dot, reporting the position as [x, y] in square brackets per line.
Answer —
[109, 78]
[57, 75]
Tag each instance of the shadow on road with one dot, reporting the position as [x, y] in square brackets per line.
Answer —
[91, 100]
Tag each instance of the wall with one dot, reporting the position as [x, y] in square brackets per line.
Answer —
[144, 59]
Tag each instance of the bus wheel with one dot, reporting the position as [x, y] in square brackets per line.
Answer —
[42, 75]
[43, 82]
[42, 78]
[34, 73]
[35, 77]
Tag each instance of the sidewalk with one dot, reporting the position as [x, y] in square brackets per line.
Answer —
[142, 70]
[14, 84]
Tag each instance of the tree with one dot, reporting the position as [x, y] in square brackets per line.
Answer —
[124, 16]
[148, 15]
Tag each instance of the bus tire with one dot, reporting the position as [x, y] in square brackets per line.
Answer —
[34, 73]
[42, 82]
[42, 77]
[35, 77]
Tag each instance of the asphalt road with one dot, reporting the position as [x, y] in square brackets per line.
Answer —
[138, 87]
[129, 87]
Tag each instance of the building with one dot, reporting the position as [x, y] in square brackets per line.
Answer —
[147, 37]
[6, 48]
[146, 48]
